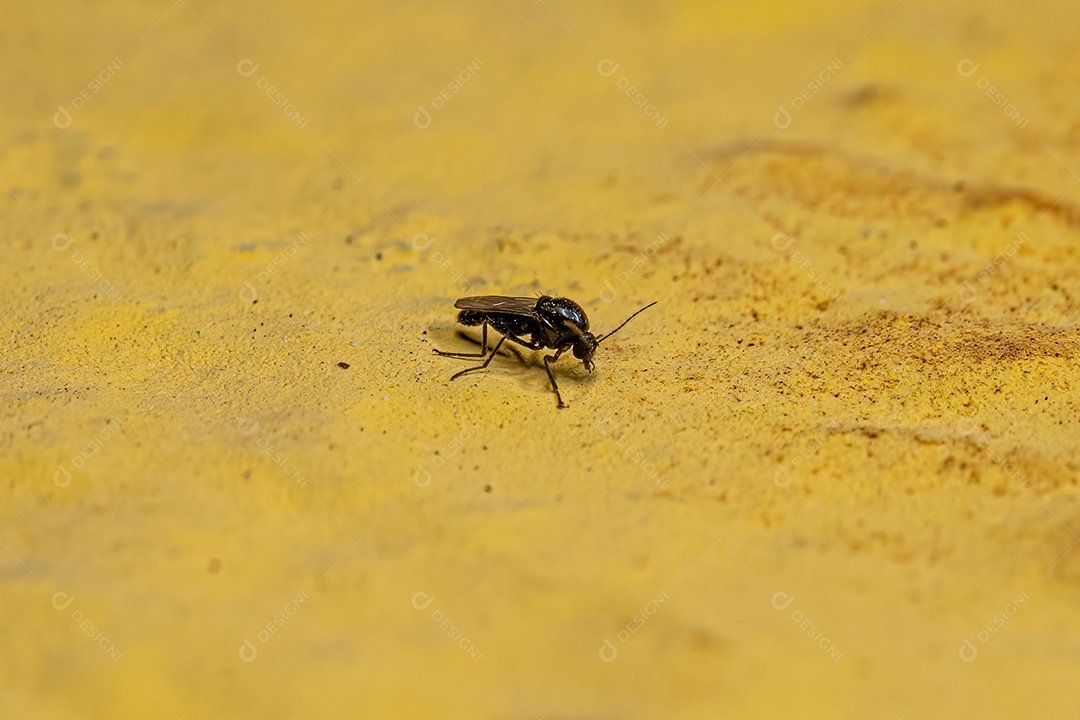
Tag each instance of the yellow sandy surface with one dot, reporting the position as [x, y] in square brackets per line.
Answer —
[833, 473]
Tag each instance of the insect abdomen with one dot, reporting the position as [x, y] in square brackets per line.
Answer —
[470, 317]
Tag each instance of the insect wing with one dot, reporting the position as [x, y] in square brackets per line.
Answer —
[498, 304]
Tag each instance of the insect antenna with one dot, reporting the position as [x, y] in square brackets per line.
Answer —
[602, 338]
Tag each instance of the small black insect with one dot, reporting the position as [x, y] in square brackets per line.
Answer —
[550, 322]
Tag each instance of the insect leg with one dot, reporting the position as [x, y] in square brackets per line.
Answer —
[482, 353]
[485, 363]
[547, 366]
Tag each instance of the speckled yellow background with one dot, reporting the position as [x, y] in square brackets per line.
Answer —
[833, 473]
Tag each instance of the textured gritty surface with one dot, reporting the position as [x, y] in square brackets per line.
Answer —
[842, 420]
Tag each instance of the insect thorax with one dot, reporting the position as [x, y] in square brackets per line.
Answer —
[561, 312]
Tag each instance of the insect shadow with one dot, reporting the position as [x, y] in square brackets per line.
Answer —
[507, 351]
